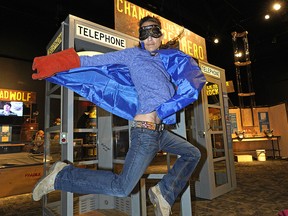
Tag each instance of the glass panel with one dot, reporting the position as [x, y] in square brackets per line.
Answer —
[220, 171]
[85, 114]
[190, 122]
[120, 137]
[89, 148]
[53, 151]
[215, 119]
[120, 143]
[118, 121]
[212, 91]
[54, 112]
[217, 142]
[85, 136]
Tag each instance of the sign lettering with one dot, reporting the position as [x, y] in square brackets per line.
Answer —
[55, 44]
[16, 95]
[36, 174]
[127, 16]
[99, 36]
[212, 90]
[210, 71]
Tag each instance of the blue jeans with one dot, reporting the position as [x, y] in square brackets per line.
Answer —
[145, 144]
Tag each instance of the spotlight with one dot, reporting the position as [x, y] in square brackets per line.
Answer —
[276, 6]
[238, 54]
[216, 40]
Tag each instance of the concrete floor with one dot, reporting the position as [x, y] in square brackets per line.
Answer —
[262, 190]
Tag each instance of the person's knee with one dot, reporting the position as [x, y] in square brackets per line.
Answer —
[122, 191]
[125, 193]
[197, 153]
[194, 153]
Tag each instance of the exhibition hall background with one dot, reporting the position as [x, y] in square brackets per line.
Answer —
[27, 27]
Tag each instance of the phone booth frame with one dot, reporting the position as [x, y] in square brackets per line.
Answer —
[213, 134]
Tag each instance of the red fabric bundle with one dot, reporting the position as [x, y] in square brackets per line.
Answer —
[49, 65]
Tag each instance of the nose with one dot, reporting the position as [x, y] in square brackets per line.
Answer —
[150, 37]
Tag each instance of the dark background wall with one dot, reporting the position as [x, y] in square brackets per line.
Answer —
[16, 74]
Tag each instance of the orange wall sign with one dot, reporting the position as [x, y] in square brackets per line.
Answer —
[16, 95]
[127, 16]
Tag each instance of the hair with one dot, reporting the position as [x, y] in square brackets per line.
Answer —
[8, 103]
[150, 19]
[173, 43]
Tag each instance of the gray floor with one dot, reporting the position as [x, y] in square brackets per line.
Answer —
[262, 190]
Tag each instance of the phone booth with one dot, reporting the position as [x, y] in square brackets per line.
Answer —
[213, 135]
[88, 136]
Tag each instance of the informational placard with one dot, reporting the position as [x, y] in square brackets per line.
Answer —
[5, 133]
[127, 16]
[263, 121]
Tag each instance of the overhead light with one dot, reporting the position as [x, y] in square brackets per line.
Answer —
[276, 6]
[267, 16]
[238, 54]
[216, 40]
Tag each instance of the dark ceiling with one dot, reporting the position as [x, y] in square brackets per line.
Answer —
[27, 27]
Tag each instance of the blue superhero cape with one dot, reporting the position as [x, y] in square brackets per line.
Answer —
[110, 86]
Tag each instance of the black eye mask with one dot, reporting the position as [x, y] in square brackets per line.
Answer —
[151, 30]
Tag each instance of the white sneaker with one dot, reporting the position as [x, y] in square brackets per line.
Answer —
[161, 206]
[46, 184]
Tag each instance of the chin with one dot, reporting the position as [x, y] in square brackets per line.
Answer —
[151, 49]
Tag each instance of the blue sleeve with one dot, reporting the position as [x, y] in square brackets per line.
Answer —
[188, 79]
[115, 57]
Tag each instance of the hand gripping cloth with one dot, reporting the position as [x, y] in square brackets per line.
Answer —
[49, 65]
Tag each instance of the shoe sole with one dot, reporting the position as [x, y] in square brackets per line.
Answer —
[51, 169]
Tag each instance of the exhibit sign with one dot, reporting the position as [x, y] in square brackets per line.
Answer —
[55, 44]
[127, 16]
[209, 70]
[17, 95]
[264, 123]
[100, 36]
[5, 133]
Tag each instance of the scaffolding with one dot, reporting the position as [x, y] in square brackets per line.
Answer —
[246, 94]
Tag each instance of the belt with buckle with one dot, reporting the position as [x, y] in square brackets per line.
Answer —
[147, 125]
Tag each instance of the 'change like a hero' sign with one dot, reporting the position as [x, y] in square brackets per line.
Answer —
[127, 16]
